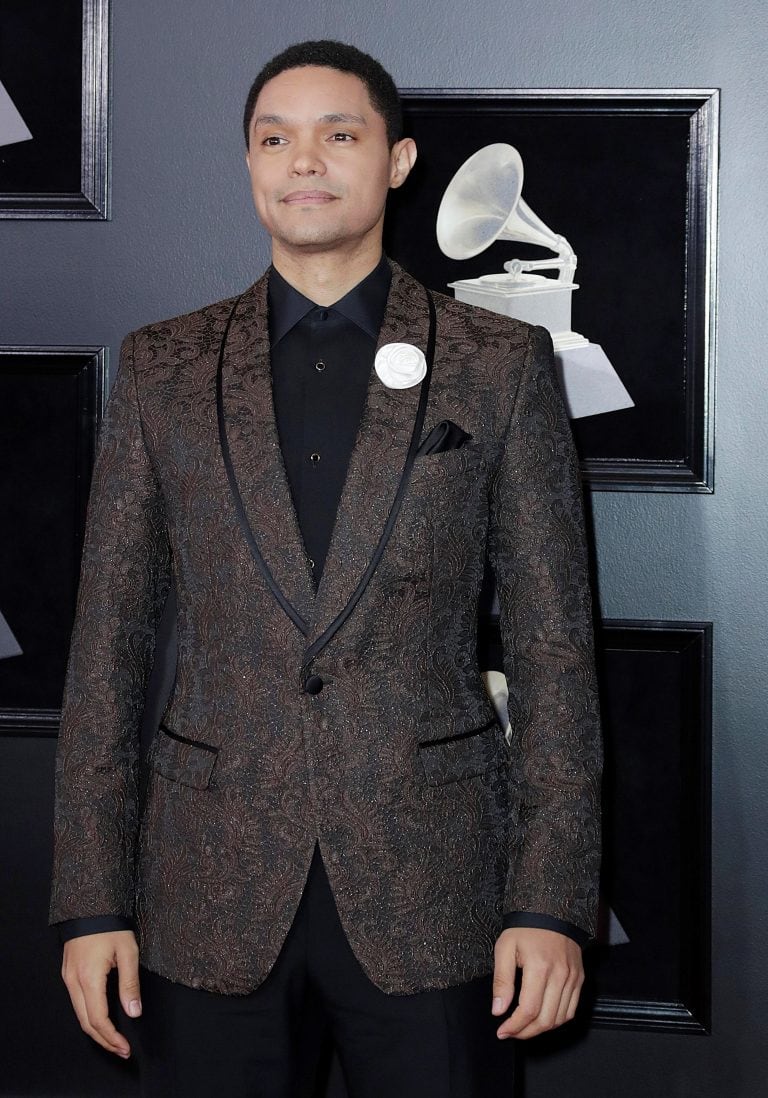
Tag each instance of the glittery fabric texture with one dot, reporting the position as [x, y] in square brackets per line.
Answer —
[430, 823]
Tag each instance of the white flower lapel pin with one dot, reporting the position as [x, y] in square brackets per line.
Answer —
[400, 365]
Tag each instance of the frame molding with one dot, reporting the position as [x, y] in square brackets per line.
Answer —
[92, 201]
[89, 364]
[605, 1003]
[690, 1011]
[695, 471]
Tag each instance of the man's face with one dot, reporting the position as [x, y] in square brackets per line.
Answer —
[319, 161]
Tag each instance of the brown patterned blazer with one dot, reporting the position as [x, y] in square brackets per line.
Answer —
[430, 823]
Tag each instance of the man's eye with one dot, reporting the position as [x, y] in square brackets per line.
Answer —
[342, 137]
[273, 139]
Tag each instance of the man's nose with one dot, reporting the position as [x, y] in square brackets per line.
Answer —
[307, 160]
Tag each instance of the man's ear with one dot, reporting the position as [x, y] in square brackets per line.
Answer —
[401, 160]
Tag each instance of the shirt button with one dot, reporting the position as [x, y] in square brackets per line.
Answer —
[322, 314]
[319, 365]
[314, 457]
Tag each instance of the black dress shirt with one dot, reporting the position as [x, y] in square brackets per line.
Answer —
[321, 359]
[321, 363]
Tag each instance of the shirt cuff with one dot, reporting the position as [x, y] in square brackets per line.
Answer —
[95, 924]
[540, 921]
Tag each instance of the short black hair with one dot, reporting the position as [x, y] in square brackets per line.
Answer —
[330, 54]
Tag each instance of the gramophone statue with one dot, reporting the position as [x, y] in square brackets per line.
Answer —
[482, 203]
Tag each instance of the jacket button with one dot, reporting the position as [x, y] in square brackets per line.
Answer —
[313, 684]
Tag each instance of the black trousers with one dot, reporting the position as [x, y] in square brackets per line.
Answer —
[439, 1043]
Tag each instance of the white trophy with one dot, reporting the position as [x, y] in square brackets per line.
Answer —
[483, 203]
[13, 128]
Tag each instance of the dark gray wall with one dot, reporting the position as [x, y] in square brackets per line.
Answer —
[183, 233]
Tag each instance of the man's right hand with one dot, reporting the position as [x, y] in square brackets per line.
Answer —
[86, 964]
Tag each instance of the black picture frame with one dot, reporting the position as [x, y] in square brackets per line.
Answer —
[656, 686]
[630, 178]
[54, 64]
[52, 401]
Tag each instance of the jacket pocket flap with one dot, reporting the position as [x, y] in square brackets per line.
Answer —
[179, 759]
[464, 754]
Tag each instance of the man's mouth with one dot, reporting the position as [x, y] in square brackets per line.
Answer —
[305, 198]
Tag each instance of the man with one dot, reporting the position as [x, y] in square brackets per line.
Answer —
[334, 816]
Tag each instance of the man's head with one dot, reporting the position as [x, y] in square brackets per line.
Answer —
[381, 88]
[322, 125]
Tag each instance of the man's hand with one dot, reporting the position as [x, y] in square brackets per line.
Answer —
[87, 961]
[552, 977]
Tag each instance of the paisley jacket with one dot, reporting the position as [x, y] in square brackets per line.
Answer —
[355, 713]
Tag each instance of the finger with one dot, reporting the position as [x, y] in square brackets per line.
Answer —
[561, 1014]
[570, 996]
[531, 998]
[570, 982]
[556, 978]
[504, 975]
[78, 1004]
[101, 1027]
[574, 1000]
[128, 979]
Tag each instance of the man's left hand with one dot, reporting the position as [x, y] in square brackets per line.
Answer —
[552, 977]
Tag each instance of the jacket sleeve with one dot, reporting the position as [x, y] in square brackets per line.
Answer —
[538, 921]
[124, 582]
[96, 924]
[538, 550]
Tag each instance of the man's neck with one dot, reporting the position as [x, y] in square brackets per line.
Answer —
[325, 277]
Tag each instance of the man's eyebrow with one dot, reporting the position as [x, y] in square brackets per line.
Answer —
[343, 118]
[268, 120]
[278, 120]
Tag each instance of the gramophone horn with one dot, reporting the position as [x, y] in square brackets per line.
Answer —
[483, 203]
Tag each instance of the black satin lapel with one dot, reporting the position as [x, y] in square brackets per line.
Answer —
[256, 472]
[376, 464]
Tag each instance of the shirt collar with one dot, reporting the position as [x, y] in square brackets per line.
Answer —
[364, 304]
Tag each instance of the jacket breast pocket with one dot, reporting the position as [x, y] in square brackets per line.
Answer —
[189, 762]
[464, 754]
[459, 459]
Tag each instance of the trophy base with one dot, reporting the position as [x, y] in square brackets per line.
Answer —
[532, 298]
[589, 382]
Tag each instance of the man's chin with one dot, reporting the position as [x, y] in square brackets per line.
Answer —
[313, 241]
